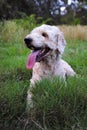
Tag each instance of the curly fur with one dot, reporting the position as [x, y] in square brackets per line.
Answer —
[51, 65]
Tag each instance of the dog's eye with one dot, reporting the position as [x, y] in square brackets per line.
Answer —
[44, 34]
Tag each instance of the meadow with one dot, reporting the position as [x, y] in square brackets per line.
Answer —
[58, 105]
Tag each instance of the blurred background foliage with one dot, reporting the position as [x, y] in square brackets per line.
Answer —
[56, 11]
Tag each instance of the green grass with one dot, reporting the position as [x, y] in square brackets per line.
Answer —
[58, 105]
[14, 81]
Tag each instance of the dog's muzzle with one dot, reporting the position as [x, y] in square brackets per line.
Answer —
[28, 42]
[38, 53]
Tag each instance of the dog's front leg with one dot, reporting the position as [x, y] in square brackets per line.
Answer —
[29, 100]
[29, 94]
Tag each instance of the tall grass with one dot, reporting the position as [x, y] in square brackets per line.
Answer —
[11, 32]
[60, 105]
[15, 31]
[77, 32]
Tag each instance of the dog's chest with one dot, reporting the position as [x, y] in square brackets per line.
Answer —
[41, 71]
[44, 70]
[48, 70]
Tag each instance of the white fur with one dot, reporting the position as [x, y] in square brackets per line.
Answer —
[52, 65]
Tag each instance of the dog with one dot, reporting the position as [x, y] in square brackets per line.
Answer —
[47, 44]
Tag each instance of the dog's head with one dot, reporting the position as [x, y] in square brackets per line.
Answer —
[43, 40]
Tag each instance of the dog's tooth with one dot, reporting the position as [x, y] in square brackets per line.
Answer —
[43, 50]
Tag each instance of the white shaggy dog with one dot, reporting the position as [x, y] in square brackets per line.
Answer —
[47, 43]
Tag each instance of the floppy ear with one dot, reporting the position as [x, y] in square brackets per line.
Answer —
[61, 43]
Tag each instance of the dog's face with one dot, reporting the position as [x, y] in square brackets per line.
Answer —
[43, 40]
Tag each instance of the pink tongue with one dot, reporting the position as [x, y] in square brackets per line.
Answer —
[31, 60]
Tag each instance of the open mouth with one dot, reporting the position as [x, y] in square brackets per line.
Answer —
[37, 55]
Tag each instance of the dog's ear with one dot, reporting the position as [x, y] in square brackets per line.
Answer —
[61, 43]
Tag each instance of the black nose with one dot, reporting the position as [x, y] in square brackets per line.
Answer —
[28, 40]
